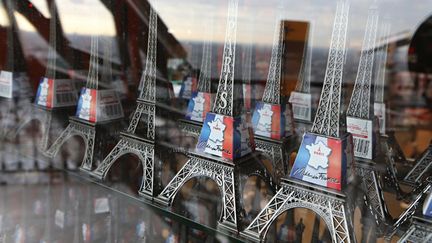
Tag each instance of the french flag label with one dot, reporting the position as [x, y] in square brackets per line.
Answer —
[270, 120]
[44, 95]
[323, 161]
[225, 136]
[87, 103]
[199, 105]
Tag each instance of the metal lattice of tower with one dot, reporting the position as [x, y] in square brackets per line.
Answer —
[419, 231]
[332, 205]
[422, 168]
[52, 57]
[326, 120]
[201, 101]
[139, 138]
[273, 90]
[225, 103]
[361, 100]
[229, 170]
[397, 228]
[272, 120]
[95, 133]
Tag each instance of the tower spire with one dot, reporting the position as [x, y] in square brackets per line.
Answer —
[327, 117]
[272, 92]
[224, 103]
[93, 75]
[204, 81]
[361, 100]
[52, 47]
[148, 79]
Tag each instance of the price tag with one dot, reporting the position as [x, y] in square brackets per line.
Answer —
[6, 84]
[59, 218]
[101, 205]
[301, 105]
[380, 112]
[361, 131]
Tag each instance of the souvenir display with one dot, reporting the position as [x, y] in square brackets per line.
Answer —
[225, 148]
[248, 122]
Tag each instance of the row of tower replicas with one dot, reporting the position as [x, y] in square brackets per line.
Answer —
[272, 117]
[225, 150]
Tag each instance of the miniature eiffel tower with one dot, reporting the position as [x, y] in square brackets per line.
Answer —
[200, 102]
[364, 128]
[50, 105]
[300, 98]
[225, 149]
[98, 116]
[323, 195]
[272, 118]
[139, 138]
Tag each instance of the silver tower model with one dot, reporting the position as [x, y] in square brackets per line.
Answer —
[301, 191]
[139, 138]
[272, 118]
[95, 122]
[201, 101]
[50, 112]
[225, 149]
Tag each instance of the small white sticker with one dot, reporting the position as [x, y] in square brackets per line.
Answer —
[361, 131]
[59, 218]
[301, 105]
[380, 112]
[6, 87]
[101, 205]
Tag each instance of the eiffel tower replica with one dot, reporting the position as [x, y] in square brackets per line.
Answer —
[301, 98]
[15, 91]
[51, 106]
[200, 102]
[225, 149]
[140, 136]
[272, 118]
[325, 195]
[99, 112]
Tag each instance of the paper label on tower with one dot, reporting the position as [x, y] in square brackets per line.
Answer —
[108, 106]
[226, 137]
[361, 131]
[188, 87]
[380, 112]
[87, 103]
[6, 87]
[322, 161]
[198, 106]
[301, 105]
[44, 94]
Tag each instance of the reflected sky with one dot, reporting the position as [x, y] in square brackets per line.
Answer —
[186, 21]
